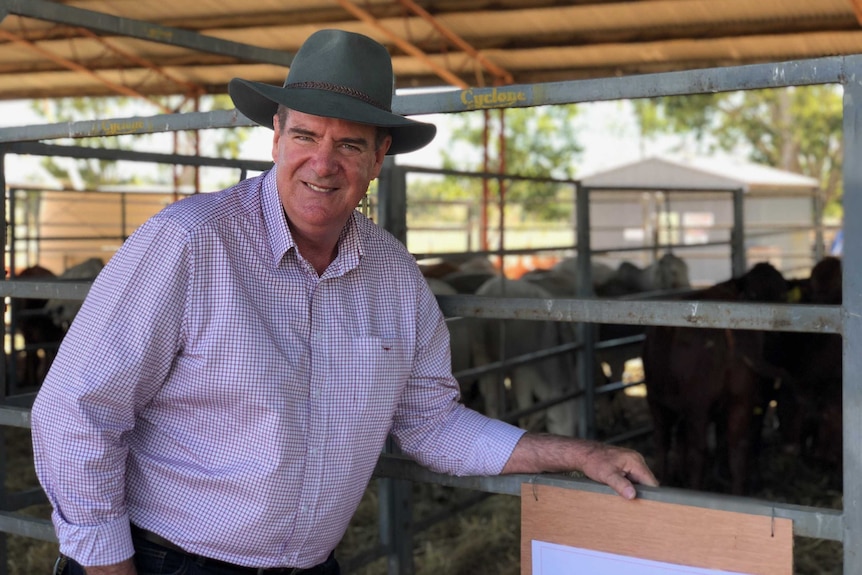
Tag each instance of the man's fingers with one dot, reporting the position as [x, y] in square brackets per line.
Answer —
[642, 474]
[621, 485]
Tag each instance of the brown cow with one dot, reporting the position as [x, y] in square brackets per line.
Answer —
[696, 376]
[809, 400]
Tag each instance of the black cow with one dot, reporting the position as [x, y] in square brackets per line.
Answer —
[696, 376]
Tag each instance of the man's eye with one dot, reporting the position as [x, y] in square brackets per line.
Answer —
[351, 149]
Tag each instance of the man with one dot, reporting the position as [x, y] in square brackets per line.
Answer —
[221, 399]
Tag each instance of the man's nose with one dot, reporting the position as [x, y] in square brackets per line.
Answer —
[325, 159]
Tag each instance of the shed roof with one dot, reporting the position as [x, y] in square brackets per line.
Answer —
[156, 47]
[700, 173]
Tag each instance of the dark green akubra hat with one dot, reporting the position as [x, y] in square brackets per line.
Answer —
[336, 74]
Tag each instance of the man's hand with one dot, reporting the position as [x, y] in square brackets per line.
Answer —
[617, 467]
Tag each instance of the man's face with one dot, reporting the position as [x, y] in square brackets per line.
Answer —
[323, 168]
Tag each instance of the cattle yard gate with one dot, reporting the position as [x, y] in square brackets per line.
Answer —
[394, 471]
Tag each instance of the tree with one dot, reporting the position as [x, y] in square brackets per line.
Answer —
[90, 173]
[798, 129]
[539, 142]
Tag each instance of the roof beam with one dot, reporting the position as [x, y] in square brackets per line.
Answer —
[501, 74]
[78, 17]
[192, 90]
[66, 63]
[368, 18]
[857, 9]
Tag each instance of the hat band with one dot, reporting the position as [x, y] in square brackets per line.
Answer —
[341, 90]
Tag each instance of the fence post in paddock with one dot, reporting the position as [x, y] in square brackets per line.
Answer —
[852, 316]
[392, 199]
[585, 332]
[737, 235]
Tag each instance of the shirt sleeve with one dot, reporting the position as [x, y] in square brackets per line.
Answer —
[431, 425]
[117, 353]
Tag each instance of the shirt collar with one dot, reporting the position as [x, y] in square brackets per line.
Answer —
[281, 240]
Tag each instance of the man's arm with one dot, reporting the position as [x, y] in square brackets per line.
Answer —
[617, 467]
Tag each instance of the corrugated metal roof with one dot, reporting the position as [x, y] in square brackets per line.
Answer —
[699, 173]
[74, 48]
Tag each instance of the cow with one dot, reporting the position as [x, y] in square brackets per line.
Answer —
[62, 312]
[668, 273]
[40, 334]
[698, 376]
[460, 333]
[809, 395]
[542, 380]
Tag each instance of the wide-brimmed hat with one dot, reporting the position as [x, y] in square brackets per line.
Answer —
[336, 74]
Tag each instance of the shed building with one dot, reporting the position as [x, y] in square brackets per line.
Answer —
[687, 205]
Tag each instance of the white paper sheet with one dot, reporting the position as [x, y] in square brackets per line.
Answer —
[553, 559]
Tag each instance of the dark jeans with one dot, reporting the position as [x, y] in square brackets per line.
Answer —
[153, 559]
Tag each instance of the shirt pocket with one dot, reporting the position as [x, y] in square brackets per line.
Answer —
[370, 375]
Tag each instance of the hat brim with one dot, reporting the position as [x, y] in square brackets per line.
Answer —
[259, 102]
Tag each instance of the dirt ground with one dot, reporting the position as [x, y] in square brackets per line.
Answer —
[484, 538]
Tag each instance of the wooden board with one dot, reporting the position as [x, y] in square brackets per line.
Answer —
[690, 536]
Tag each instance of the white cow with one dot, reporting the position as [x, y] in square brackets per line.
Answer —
[536, 381]
[460, 333]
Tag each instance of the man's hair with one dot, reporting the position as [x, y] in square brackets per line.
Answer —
[283, 111]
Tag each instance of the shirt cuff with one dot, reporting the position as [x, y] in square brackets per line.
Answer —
[92, 545]
[497, 438]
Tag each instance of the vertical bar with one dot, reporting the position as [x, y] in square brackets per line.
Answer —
[9, 246]
[123, 222]
[852, 321]
[819, 244]
[4, 374]
[392, 194]
[396, 512]
[737, 235]
[586, 332]
[396, 520]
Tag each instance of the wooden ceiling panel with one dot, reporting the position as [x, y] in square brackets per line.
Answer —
[534, 40]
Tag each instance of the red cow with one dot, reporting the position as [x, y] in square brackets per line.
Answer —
[696, 376]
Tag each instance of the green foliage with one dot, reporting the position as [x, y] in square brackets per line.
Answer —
[538, 142]
[91, 173]
[798, 129]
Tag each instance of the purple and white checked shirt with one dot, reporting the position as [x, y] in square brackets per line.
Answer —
[213, 389]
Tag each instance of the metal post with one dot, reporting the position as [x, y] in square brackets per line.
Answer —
[9, 226]
[4, 373]
[392, 194]
[819, 244]
[396, 520]
[738, 263]
[585, 331]
[852, 316]
[395, 495]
